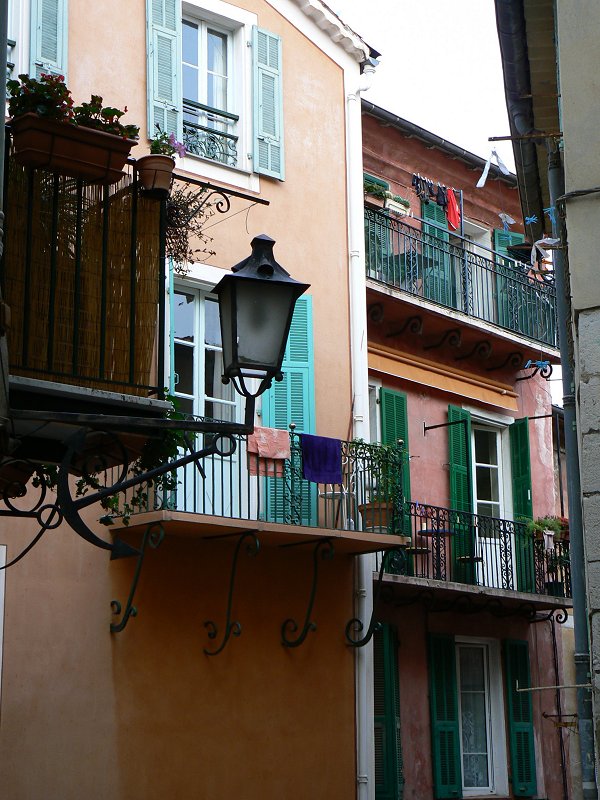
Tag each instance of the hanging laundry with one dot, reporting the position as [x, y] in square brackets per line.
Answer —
[268, 449]
[321, 459]
[442, 196]
[453, 211]
[501, 166]
[431, 189]
[421, 187]
[507, 220]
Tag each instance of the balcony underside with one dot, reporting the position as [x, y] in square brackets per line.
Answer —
[403, 590]
[270, 534]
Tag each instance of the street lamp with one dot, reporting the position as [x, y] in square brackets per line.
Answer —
[256, 304]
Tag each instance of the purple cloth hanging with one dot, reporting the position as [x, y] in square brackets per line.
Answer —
[321, 459]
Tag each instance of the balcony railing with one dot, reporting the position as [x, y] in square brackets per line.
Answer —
[468, 278]
[471, 549]
[81, 273]
[207, 132]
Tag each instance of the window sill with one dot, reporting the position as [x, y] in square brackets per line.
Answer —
[205, 169]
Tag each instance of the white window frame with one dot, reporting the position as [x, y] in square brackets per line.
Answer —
[19, 23]
[499, 422]
[500, 447]
[498, 755]
[237, 23]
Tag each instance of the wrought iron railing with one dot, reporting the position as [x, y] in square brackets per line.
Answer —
[460, 547]
[81, 273]
[245, 486]
[207, 132]
[466, 277]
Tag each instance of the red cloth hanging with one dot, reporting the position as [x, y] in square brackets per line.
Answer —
[453, 211]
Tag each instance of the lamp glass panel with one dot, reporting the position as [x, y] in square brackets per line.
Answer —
[263, 312]
[226, 305]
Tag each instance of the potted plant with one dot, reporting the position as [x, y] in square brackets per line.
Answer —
[541, 525]
[556, 562]
[87, 141]
[155, 170]
[380, 465]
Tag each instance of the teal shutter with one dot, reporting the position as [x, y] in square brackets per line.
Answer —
[163, 20]
[293, 400]
[520, 718]
[445, 732]
[389, 772]
[394, 426]
[268, 104]
[438, 283]
[508, 300]
[48, 37]
[522, 505]
[462, 540]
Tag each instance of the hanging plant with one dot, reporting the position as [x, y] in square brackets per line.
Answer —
[188, 209]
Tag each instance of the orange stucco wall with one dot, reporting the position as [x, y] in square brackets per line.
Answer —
[145, 713]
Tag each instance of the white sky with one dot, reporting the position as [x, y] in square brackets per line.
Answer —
[440, 66]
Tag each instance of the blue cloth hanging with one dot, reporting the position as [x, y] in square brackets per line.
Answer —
[321, 459]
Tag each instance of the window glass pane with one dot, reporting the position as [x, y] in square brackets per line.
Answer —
[487, 484]
[213, 369]
[190, 83]
[212, 325]
[471, 669]
[185, 405]
[184, 367]
[485, 447]
[190, 42]
[217, 52]
[183, 323]
[217, 92]
[219, 411]
[473, 716]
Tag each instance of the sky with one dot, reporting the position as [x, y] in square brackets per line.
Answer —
[439, 68]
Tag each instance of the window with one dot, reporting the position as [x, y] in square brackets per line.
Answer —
[214, 79]
[487, 461]
[467, 700]
[198, 358]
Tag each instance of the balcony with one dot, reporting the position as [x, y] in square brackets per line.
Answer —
[81, 273]
[458, 275]
[458, 547]
[207, 132]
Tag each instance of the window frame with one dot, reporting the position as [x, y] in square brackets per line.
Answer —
[500, 423]
[500, 468]
[497, 731]
[237, 24]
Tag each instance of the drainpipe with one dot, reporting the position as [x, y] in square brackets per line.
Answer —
[556, 182]
[365, 756]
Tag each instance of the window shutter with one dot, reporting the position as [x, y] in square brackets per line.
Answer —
[443, 703]
[506, 298]
[461, 496]
[438, 284]
[505, 239]
[394, 426]
[49, 36]
[522, 505]
[389, 772]
[293, 400]
[520, 718]
[163, 19]
[378, 245]
[268, 104]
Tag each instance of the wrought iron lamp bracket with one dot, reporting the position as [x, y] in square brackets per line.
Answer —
[325, 549]
[544, 368]
[232, 628]
[356, 624]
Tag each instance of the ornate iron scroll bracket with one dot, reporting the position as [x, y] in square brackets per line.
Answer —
[355, 625]
[543, 367]
[153, 537]
[412, 325]
[452, 337]
[232, 628]
[325, 549]
[514, 360]
[481, 349]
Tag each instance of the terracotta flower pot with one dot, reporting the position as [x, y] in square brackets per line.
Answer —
[155, 171]
[376, 517]
[72, 150]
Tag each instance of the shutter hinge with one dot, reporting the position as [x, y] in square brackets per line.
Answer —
[248, 44]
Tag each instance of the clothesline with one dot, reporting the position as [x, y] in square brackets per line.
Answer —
[443, 196]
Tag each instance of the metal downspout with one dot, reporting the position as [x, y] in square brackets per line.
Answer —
[363, 590]
[556, 182]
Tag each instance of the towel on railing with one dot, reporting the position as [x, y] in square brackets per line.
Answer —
[268, 448]
[321, 459]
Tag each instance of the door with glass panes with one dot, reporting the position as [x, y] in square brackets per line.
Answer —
[220, 487]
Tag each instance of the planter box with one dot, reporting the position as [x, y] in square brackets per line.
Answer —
[71, 150]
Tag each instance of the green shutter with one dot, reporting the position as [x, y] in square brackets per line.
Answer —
[507, 291]
[293, 400]
[522, 505]
[389, 772]
[48, 37]
[438, 283]
[268, 104]
[394, 426]
[378, 245]
[163, 20]
[462, 540]
[445, 732]
[520, 718]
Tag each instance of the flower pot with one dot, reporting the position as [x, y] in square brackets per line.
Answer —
[93, 156]
[155, 171]
[376, 517]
